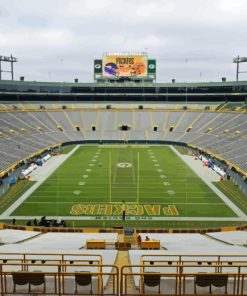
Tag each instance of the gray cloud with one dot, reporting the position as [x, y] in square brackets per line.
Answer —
[192, 40]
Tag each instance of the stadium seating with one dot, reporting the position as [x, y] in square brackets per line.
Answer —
[26, 132]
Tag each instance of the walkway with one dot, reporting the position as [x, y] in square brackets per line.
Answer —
[207, 175]
[47, 169]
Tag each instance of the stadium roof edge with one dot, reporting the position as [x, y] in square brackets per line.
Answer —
[93, 84]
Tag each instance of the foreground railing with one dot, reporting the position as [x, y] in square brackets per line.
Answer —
[83, 274]
[184, 279]
[58, 279]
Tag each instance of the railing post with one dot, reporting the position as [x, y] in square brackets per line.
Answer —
[121, 280]
[118, 282]
[180, 279]
[100, 281]
[59, 280]
[1, 275]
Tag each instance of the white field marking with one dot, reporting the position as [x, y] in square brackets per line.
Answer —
[125, 177]
[102, 178]
[93, 160]
[122, 172]
[154, 160]
[131, 202]
[92, 164]
[95, 156]
[160, 171]
[81, 183]
[146, 192]
[170, 192]
[132, 218]
[84, 176]
[88, 170]
[115, 169]
[133, 169]
[76, 192]
[124, 165]
[21, 199]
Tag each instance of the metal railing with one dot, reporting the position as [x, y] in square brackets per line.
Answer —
[72, 274]
[58, 279]
[179, 273]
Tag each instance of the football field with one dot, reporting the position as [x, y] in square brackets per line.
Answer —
[152, 180]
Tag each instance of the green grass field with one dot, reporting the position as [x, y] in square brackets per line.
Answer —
[154, 182]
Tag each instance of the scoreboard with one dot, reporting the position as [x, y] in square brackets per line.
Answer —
[124, 65]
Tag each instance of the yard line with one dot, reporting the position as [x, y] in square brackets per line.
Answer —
[132, 167]
[102, 202]
[115, 169]
[124, 187]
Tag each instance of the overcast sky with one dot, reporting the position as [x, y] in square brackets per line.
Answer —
[57, 40]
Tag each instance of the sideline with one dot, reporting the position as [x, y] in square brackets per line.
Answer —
[189, 161]
[56, 162]
[133, 218]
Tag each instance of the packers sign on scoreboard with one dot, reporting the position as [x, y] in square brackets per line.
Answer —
[125, 66]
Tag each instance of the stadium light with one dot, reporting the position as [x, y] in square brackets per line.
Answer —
[11, 60]
[237, 61]
[240, 60]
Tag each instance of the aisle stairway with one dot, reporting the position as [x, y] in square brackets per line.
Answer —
[121, 260]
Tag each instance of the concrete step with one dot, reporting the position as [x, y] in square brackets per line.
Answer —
[121, 260]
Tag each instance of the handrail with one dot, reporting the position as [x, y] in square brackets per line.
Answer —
[62, 256]
[181, 276]
[193, 255]
[60, 274]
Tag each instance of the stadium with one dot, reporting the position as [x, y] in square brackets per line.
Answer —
[123, 186]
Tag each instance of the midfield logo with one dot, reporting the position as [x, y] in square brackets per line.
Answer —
[124, 165]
